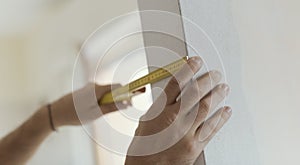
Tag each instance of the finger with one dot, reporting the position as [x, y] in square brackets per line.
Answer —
[209, 103]
[210, 127]
[101, 90]
[199, 88]
[181, 78]
[107, 108]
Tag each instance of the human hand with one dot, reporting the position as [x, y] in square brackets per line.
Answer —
[178, 131]
[84, 103]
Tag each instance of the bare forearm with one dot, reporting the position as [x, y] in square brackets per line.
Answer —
[17, 147]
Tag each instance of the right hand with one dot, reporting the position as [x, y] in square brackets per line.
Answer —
[186, 118]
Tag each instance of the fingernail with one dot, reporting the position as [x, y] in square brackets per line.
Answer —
[125, 102]
[225, 87]
[195, 63]
[197, 59]
[215, 75]
[228, 110]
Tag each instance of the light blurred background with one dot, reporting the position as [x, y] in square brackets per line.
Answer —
[39, 42]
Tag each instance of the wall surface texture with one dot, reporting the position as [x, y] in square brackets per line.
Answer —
[235, 144]
[259, 44]
[269, 41]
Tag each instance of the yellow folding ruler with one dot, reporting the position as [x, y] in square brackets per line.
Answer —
[129, 90]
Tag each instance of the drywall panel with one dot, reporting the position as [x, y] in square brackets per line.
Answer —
[162, 33]
[164, 38]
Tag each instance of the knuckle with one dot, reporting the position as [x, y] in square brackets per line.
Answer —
[201, 115]
[170, 117]
[193, 92]
[190, 146]
[193, 66]
[204, 106]
[174, 83]
[197, 90]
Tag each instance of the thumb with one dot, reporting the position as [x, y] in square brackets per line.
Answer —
[107, 108]
[100, 90]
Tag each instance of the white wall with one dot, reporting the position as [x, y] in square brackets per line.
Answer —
[235, 144]
[36, 68]
[269, 39]
[12, 88]
[259, 39]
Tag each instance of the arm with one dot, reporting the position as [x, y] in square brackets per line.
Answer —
[21, 144]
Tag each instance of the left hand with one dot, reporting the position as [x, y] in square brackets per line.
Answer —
[84, 102]
[176, 131]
